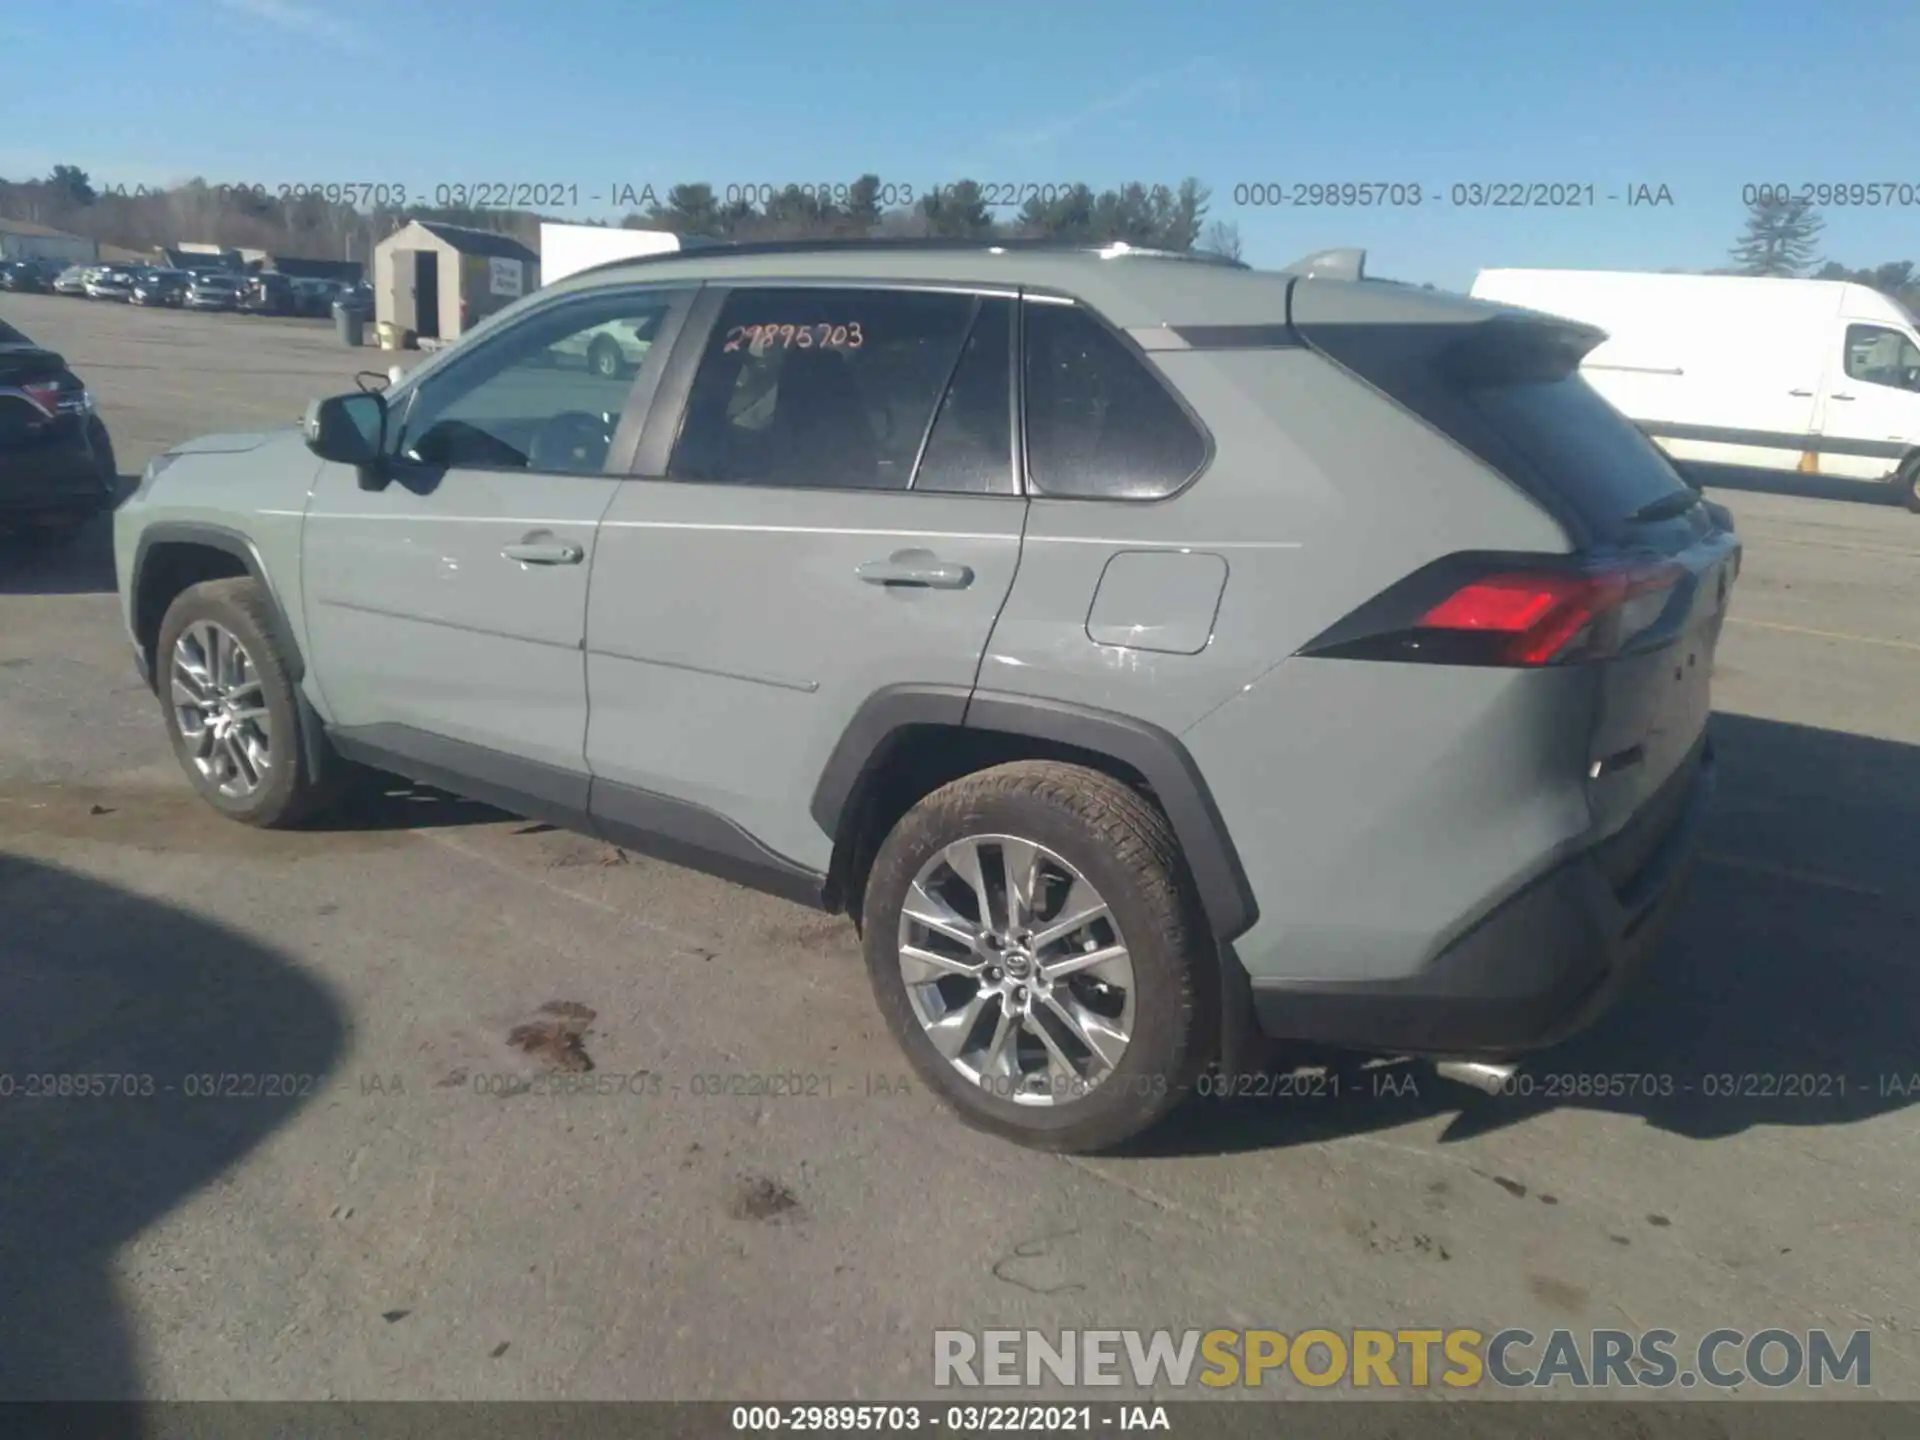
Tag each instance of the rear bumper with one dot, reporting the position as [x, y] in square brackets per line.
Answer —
[1544, 965]
[52, 482]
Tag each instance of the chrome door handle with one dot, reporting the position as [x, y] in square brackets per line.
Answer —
[545, 552]
[916, 570]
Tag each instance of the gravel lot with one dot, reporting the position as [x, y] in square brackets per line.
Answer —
[388, 1231]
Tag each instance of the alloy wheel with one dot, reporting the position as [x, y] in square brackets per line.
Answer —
[220, 706]
[1016, 970]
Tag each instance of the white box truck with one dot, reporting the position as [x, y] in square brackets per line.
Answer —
[568, 249]
[1817, 376]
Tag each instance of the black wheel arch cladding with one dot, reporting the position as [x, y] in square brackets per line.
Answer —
[235, 546]
[1146, 750]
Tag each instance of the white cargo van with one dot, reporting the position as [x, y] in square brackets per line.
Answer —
[1818, 376]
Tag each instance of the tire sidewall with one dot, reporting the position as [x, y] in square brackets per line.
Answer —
[1153, 1072]
[278, 795]
[596, 358]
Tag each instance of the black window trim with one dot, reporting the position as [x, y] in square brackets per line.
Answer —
[1014, 472]
[626, 430]
[667, 412]
[1208, 448]
[974, 312]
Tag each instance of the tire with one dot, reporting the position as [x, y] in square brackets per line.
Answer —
[1122, 846]
[604, 358]
[1909, 482]
[287, 793]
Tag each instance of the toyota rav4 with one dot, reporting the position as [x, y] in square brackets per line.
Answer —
[1151, 656]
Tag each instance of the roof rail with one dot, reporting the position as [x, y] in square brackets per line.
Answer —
[1350, 264]
[702, 245]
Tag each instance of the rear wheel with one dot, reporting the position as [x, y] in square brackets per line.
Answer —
[232, 714]
[1908, 481]
[1034, 943]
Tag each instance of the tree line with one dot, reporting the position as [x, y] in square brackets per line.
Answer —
[1782, 238]
[1781, 235]
[319, 226]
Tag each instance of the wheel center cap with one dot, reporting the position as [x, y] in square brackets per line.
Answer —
[1018, 964]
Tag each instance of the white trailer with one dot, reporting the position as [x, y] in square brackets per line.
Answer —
[568, 249]
[1819, 376]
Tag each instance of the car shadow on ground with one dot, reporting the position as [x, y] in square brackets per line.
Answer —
[1791, 482]
[81, 564]
[102, 989]
[373, 800]
[1784, 994]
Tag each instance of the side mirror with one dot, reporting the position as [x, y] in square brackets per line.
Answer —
[351, 430]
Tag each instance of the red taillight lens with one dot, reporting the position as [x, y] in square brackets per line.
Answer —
[1476, 608]
[1539, 617]
[45, 397]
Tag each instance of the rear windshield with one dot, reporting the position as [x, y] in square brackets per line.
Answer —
[1509, 392]
[1577, 444]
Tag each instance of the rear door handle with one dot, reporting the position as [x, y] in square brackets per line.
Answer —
[916, 570]
[541, 548]
[1838, 396]
[1802, 394]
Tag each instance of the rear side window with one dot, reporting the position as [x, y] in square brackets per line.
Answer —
[1100, 424]
[819, 388]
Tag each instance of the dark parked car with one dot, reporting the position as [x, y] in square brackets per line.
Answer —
[268, 295]
[160, 287]
[358, 298]
[57, 469]
[110, 282]
[313, 297]
[28, 276]
[216, 292]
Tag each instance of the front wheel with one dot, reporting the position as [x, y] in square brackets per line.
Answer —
[604, 358]
[232, 714]
[1034, 942]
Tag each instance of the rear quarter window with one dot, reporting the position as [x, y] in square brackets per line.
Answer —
[1100, 425]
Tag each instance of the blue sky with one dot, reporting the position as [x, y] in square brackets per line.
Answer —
[1701, 96]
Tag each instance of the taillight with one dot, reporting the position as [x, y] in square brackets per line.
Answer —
[45, 396]
[1464, 611]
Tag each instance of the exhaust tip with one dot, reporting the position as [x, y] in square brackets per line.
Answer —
[1488, 1076]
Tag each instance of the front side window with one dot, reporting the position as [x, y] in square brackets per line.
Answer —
[820, 389]
[1880, 355]
[538, 395]
[1100, 425]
